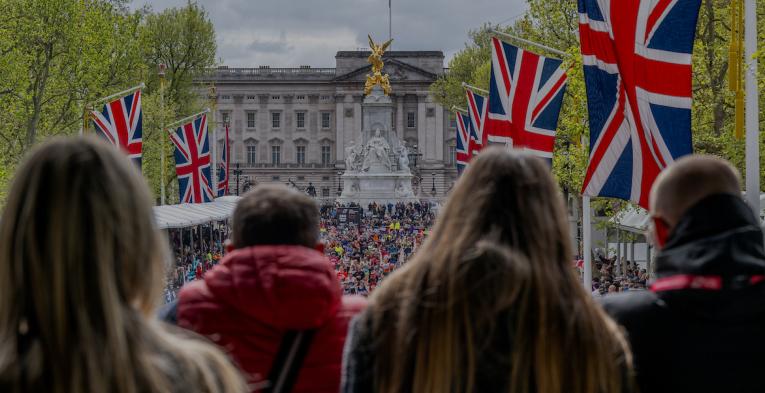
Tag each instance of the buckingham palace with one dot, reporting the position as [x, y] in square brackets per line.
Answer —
[291, 125]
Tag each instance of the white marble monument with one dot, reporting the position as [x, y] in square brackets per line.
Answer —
[377, 169]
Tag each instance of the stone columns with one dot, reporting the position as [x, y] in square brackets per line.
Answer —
[400, 116]
[421, 127]
[339, 127]
[439, 114]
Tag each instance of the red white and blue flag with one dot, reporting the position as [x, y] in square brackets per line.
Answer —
[477, 111]
[637, 70]
[192, 161]
[223, 168]
[525, 97]
[462, 151]
[120, 123]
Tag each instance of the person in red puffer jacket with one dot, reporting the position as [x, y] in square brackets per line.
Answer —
[275, 281]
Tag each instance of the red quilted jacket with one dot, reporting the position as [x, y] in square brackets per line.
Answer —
[247, 302]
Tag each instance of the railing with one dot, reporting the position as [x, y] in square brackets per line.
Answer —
[287, 166]
[265, 72]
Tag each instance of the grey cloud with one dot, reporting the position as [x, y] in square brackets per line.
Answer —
[308, 32]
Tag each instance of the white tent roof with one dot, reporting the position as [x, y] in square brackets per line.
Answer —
[636, 220]
[186, 215]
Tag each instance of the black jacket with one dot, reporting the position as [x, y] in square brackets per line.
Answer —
[702, 340]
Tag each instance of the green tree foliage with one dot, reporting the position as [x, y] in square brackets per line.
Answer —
[59, 56]
[554, 23]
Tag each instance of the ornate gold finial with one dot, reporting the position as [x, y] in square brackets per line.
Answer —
[375, 59]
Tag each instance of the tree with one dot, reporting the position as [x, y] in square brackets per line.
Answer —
[184, 40]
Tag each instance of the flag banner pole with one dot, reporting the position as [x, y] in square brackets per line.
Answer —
[587, 246]
[752, 109]
[525, 41]
[478, 89]
[458, 109]
[173, 124]
[120, 94]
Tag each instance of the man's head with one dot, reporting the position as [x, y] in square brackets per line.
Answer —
[273, 215]
[684, 184]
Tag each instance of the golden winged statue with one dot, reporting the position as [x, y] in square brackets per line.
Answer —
[375, 59]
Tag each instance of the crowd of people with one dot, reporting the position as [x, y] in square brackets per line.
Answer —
[611, 275]
[199, 251]
[487, 301]
[366, 250]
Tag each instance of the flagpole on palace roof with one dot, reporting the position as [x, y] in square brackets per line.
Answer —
[120, 94]
[175, 123]
[525, 41]
[752, 109]
[478, 89]
[587, 243]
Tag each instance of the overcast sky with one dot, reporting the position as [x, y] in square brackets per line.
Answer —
[289, 33]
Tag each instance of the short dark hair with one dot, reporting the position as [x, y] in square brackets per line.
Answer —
[274, 214]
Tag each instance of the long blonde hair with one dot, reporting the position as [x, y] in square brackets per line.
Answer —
[81, 271]
[445, 319]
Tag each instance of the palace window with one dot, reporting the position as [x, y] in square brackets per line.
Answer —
[451, 155]
[276, 120]
[300, 120]
[226, 117]
[252, 155]
[325, 192]
[276, 155]
[300, 154]
[326, 154]
[250, 119]
[411, 119]
[326, 120]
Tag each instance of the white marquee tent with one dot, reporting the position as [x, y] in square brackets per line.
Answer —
[187, 215]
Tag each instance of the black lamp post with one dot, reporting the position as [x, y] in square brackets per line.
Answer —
[339, 189]
[433, 190]
[237, 173]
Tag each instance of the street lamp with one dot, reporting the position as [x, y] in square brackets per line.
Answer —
[237, 173]
[433, 190]
[339, 189]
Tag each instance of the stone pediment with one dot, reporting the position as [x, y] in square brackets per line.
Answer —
[398, 71]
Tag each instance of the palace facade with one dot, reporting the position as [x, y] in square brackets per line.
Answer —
[291, 125]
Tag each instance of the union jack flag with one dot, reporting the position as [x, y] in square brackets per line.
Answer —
[192, 161]
[463, 141]
[477, 105]
[120, 123]
[637, 70]
[223, 168]
[525, 97]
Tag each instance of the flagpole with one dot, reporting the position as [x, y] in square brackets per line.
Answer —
[213, 142]
[587, 240]
[525, 41]
[120, 94]
[478, 89]
[752, 109]
[163, 142]
[175, 123]
[458, 109]
[390, 20]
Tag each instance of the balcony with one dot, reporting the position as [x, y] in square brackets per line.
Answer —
[267, 73]
[287, 166]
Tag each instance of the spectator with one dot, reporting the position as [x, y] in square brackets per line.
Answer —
[274, 289]
[490, 302]
[81, 268]
[700, 328]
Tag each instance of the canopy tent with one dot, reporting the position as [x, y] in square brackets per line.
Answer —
[637, 220]
[187, 215]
